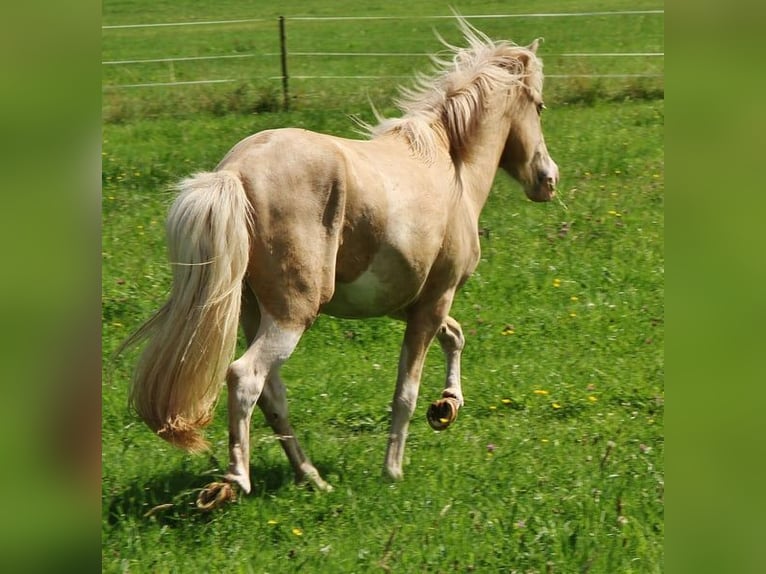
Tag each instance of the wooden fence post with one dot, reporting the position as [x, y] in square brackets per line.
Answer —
[283, 50]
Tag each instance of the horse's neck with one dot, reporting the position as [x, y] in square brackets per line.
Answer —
[478, 171]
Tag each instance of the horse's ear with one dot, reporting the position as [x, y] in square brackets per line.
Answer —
[534, 45]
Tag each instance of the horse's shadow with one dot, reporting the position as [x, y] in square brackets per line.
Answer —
[171, 498]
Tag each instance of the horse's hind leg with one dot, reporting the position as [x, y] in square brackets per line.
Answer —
[443, 412]
[273, 403]
[271, 346]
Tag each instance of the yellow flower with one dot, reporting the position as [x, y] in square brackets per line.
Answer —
[592, 399]
[557, 282]
[297, 531]
[574, 298]
[492, 407]
[272, 522]
[573, 314]
[556, 406]
[540, 392]
[506, 401]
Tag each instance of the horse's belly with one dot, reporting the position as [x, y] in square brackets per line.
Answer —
[371, 295]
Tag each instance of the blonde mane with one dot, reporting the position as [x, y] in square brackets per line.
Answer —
[451, 99]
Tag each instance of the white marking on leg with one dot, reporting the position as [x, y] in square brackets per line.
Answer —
[403, 407]
[452, 342]
[246, 379]
[402, 410]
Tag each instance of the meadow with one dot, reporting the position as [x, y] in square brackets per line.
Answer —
[555, 463]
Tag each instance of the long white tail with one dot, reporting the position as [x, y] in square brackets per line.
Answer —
[192, 338]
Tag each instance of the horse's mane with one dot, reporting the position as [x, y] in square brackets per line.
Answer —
[453, 95]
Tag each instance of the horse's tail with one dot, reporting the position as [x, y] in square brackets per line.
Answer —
[191, 339]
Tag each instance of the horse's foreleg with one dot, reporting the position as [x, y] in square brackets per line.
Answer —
[421, 328]
[443, 412]
[273, 403]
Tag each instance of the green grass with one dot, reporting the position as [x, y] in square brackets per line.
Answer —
[257, 85]
[574, 480]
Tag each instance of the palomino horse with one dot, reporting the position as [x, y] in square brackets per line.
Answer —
[294, 223]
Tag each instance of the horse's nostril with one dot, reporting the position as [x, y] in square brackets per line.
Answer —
[545, 178]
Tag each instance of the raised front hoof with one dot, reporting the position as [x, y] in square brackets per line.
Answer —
[215, 495]
[442, 413]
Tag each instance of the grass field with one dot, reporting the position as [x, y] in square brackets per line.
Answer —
[556, 461]
[249, 53]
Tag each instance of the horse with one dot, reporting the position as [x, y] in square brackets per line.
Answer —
[294, 223]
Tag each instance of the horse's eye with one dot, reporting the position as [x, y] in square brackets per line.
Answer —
[540, 108]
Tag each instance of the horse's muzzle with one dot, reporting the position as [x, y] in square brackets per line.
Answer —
[545, 188]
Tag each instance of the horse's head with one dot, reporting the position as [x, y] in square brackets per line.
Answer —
[525, 156]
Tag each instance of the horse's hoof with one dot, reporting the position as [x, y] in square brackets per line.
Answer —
[442, 413]
[215, 495]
